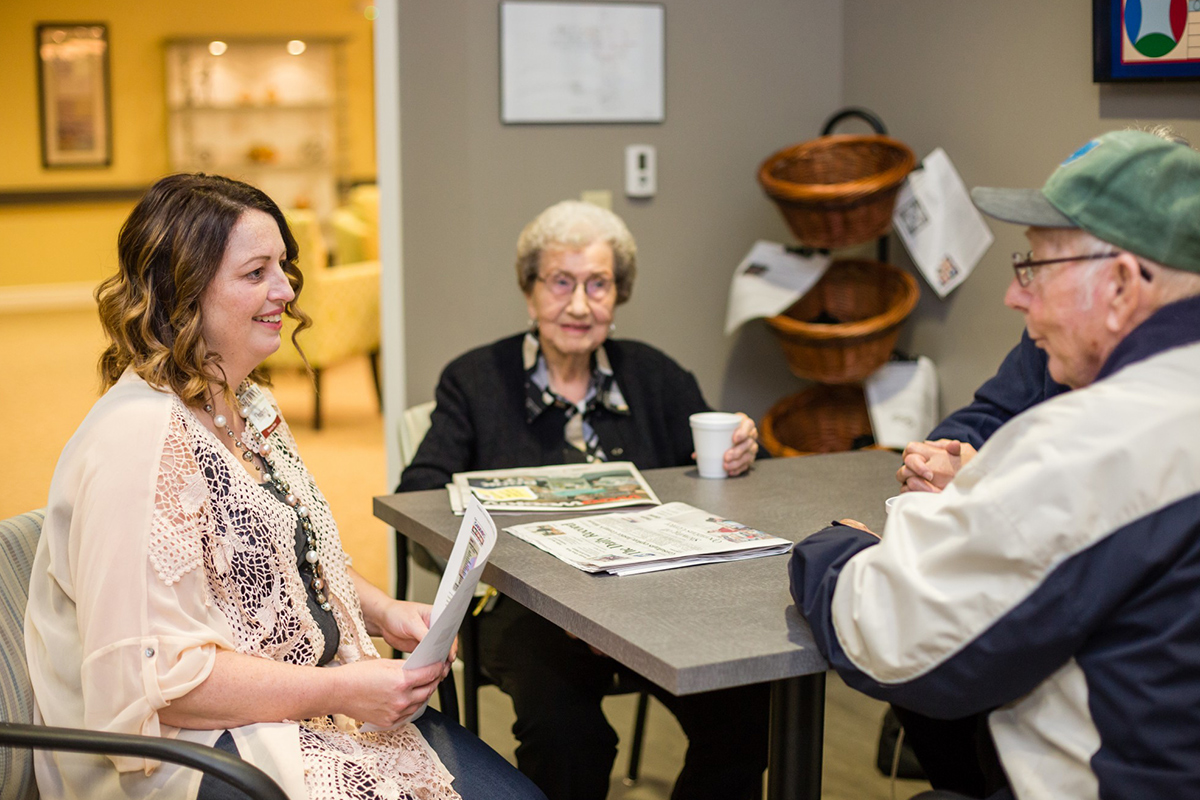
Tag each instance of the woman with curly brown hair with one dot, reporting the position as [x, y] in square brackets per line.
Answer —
[190, 581]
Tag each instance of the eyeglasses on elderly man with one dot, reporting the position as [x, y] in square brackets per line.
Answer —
[1024, 264]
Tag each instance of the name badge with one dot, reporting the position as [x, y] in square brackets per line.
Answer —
[259, 411]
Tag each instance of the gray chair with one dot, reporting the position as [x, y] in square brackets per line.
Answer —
[19, 736]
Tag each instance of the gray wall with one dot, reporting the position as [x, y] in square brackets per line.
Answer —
[1006, 90]
[743, 79]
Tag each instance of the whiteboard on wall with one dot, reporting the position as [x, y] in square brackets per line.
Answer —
[581, 62]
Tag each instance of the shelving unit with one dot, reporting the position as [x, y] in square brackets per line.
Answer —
[271, 112]
[836, 192]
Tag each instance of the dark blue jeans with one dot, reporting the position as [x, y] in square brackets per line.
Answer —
[480, 773]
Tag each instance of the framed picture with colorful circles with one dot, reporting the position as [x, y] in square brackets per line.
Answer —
[1145, 40]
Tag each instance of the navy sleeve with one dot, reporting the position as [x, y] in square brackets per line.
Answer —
[1021, 382]
[813, 572]
[683, 392]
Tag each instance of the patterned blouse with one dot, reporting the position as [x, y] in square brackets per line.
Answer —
[602, 391]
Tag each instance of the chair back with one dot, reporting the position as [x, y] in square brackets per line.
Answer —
[343, 304]
[353, 238]
[18, 542]
[413, 428]
[306, 229]
[364, 199]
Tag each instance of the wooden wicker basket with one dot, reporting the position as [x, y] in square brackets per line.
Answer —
[869, 298]
[837, 190]
[820, 419]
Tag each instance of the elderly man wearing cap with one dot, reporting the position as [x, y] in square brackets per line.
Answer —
[1055, 582]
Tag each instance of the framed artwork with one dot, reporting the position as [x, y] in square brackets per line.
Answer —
[1145, 40]
[581, 62]
[73, 94]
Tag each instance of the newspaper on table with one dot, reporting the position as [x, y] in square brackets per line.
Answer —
[627, 543]
[472, 546]
[567, 487]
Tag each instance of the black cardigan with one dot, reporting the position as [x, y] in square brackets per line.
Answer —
[480, 420]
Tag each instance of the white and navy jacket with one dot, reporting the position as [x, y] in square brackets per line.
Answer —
[1056, 581]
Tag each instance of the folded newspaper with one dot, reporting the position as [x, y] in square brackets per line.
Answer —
[567, 487]
[670, 536]
[472, 546]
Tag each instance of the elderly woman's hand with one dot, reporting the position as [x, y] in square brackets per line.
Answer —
[745, 447]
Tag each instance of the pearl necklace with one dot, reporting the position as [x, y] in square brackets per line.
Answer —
[257, 445]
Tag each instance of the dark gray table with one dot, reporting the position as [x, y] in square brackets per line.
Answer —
[698, 628]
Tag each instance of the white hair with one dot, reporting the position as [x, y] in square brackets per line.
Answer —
[574, 224]
[1172, 284]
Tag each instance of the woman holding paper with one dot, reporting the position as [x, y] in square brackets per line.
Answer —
[190, 581]
[564, 392]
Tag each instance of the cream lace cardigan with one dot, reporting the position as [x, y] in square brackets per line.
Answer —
[158, 549]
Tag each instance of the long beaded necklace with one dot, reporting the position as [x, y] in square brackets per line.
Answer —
[252, 443]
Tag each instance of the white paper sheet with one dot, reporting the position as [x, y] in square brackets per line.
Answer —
[472, 546]
[768, 280]
[902, 401]
[942, 230]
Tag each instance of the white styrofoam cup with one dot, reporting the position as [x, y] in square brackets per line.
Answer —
[712, 435]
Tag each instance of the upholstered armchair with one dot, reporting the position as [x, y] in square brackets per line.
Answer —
[356, 225]
[353, 238]
[18, 733]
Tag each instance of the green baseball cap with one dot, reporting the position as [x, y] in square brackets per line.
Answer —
[1132, 189]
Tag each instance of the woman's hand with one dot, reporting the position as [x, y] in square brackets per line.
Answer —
[243, 689]
[403, 625]
[382, 692]
[745, 447]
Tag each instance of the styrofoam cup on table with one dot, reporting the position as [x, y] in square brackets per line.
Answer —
[712, 435]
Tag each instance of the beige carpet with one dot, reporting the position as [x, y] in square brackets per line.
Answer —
[48, 365]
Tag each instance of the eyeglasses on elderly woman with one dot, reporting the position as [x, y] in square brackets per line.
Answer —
[561, 284]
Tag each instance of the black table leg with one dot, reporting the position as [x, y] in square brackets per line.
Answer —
[797, 738]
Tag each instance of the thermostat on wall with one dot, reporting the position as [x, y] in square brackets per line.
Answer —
[640, 170]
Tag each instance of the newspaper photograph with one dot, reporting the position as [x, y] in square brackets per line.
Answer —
[669, 536]
[567, 487]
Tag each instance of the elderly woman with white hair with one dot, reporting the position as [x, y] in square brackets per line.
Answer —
[564, 392]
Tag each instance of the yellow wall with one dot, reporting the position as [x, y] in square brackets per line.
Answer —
[60, 243]
[63, 243]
